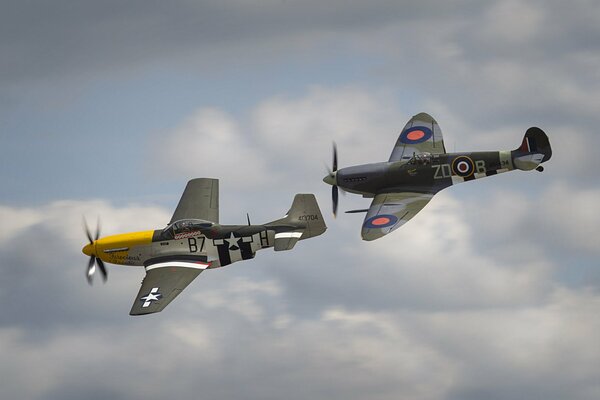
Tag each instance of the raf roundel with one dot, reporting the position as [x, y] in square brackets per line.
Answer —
[381, 221]
[463, 166]
[416, 135]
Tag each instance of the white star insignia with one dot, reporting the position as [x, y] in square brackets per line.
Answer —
[233, 242]
[150, 297]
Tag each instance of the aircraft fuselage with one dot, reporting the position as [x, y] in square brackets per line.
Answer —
[232, 243]
[423, 173]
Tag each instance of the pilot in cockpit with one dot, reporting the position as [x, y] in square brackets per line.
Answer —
[420, 159]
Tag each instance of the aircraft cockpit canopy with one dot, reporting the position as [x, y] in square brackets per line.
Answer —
[420, 159]
[185, 226]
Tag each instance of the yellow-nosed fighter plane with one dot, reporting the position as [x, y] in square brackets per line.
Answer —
[195, 241]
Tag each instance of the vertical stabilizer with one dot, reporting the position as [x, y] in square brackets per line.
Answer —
[306, 215]
[534, 150]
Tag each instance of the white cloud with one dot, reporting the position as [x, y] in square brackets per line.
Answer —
[360, 121]
[436, 261]
[339, 354]
[65, 219]
[558, 217]
[16, 220]
[238, 297]
[212, 142]
[286, 142]
[484, 319]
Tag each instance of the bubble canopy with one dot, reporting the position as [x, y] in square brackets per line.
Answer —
[185, 226]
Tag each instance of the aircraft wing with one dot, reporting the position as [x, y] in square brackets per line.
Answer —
[164, 280]
[390, 211]
[200, 200]
[421, 134]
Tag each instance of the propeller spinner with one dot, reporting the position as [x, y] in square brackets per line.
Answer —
[90, 250]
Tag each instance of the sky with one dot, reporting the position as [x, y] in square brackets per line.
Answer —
[108, 108]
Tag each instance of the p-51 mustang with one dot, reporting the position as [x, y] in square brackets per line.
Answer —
[419, 167]
[195, 241]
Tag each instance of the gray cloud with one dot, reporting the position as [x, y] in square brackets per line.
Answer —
[42, 40]
[337, 318]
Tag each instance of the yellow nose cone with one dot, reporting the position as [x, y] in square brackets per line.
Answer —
[88, 249]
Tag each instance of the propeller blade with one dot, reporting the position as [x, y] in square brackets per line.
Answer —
[97, 230]
[87, 231]
[335, 160]
[102, 269]
[91, 269]
[93, 261]
[334, 199]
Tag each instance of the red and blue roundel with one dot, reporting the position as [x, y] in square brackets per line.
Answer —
[415, 135]
[381, 221]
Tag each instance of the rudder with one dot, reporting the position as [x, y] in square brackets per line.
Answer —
[534, 150]
[536, 141]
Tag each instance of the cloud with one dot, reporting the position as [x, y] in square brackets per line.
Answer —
[428, 312]
[138, 34]
[281, 134]
[211, 141]
[44, 268]
[356, 118]
[490, 292]
[339, 354]
[524, 19]
[278, 147]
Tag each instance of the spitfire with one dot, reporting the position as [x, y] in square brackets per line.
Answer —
[419, 167]
[194, 241]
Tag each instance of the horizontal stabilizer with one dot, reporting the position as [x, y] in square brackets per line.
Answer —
[286, 240]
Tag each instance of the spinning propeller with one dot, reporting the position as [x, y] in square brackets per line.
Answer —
[332, 180]
[90, 250]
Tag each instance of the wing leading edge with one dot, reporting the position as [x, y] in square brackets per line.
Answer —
[389, 211]
[421, 134]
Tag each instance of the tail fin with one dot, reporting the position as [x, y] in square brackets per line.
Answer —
[534, 150]
[536, 141]
[304, 212]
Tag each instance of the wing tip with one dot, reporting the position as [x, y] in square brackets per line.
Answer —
[423, 116]
[369, 235]
[137, 314]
